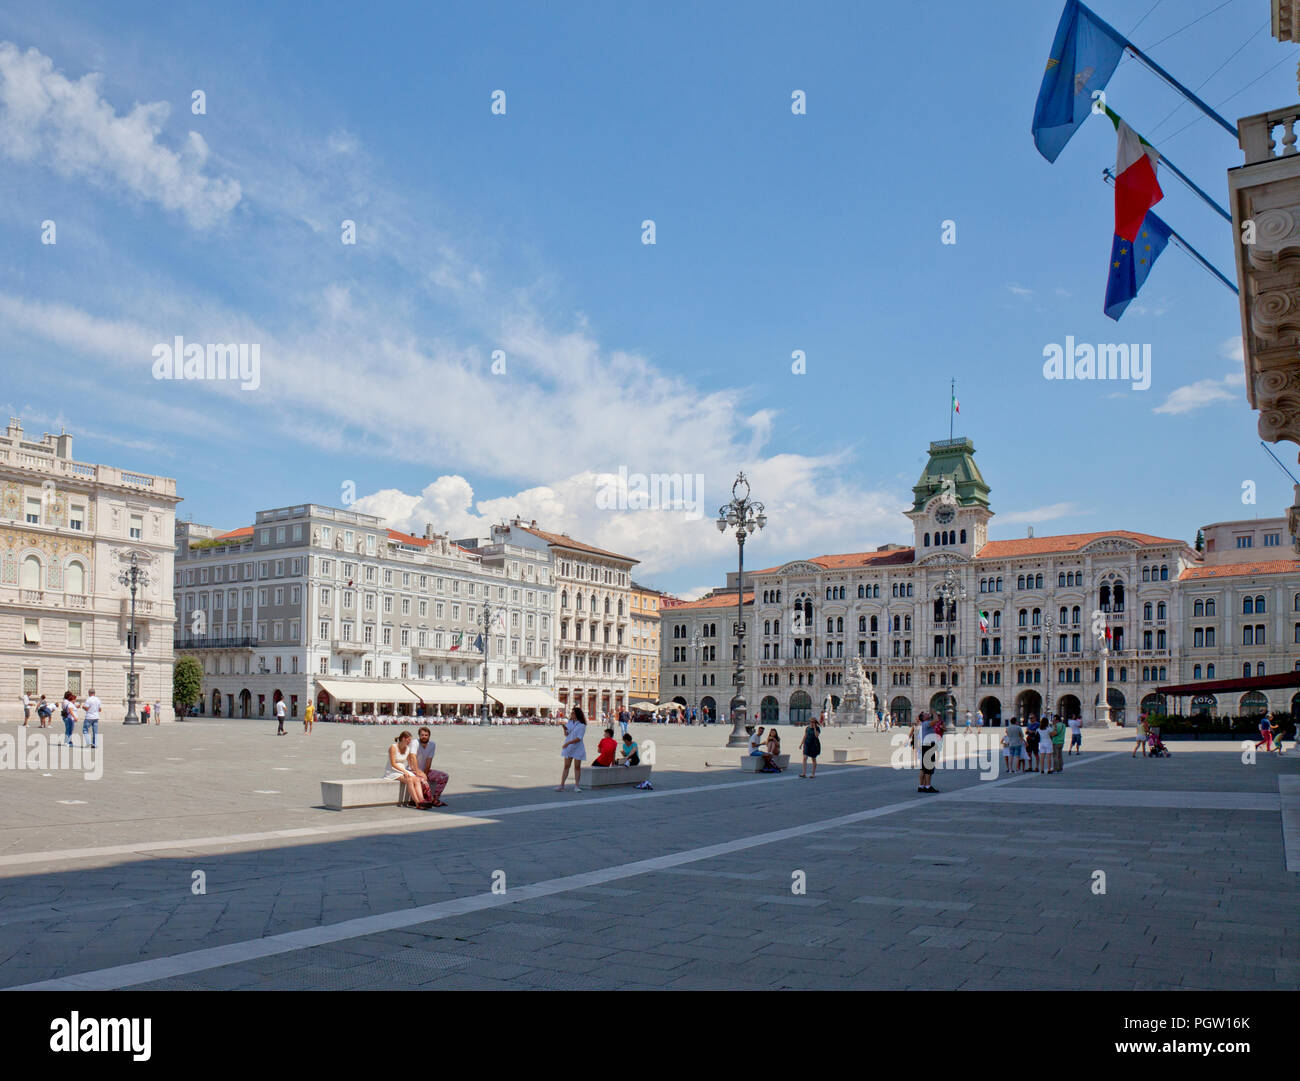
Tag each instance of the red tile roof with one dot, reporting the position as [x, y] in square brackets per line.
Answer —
[246, 531]
[407, 538]
[852, 559]
[1066, 542]
[562, 541]
[1241, 570]
[719, 600]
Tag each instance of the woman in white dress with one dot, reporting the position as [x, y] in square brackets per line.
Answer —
[399, 769]
[573, 752]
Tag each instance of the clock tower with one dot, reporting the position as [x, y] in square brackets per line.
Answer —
[950, 505]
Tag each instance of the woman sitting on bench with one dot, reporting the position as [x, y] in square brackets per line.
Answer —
[773, 751]
[398, 770]
[629, 753]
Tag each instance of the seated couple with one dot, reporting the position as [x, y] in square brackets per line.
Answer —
[767, 751]
[628, 755]
[412, 765]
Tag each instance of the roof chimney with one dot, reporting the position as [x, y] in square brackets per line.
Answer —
[1031, 533]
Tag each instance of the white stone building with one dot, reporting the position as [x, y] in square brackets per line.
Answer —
[315, 603]
[1042, 600]
[68, 530]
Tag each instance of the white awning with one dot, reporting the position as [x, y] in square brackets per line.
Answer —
[446, 694]
[363, 690]
[524, 697]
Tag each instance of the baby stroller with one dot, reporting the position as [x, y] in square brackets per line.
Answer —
[1156, 748]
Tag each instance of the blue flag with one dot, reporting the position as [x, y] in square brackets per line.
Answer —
[478, 643]
[1131, 262]
[1084, 55]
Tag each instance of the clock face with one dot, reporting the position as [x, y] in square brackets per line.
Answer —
[944, 515]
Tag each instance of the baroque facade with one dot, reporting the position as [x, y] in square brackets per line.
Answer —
[957, 622]
[68, 529]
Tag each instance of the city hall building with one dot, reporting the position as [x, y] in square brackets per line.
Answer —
[956, 622]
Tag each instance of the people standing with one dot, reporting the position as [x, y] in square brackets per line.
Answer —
[1016, 744]
[1058, 744]
[44, 711]
[1141, 737]
[1076, 735]
[811, 748]
[69, 713]
[572, 751]
[157, 712]
[280, 712]
[930, 731]
[623, 720]
[968, 720]
[144, 713]
[91, 721]
[309, 715]
[27, 707]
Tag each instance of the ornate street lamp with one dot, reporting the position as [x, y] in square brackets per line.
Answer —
[134, 578]
[1048, 625]
[487, 628]
[950, 591]
[695, 672]
[745, 516]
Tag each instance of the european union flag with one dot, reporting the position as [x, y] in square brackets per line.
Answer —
[1130, 263]
[1084, 55]
[478, 644]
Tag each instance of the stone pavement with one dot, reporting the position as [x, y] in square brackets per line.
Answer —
[988, 885]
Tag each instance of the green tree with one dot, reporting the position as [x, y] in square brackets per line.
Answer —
[187, 682]
[1200, 541]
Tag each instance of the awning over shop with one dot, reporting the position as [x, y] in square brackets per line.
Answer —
[362, 690]
[1244, 683]
[524, 697]
[446, 694]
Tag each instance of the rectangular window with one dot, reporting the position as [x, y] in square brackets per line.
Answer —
[137, 527]
[77, 517]
[74, 635]
[32, 632]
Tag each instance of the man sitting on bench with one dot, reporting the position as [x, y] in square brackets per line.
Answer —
[606, 748]
[421, 760]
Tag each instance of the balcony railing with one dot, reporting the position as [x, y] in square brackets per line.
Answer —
[1256, 134]
[214, 643]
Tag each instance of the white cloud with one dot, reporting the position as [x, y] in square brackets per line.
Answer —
[1198, 395]
[1047, 513]
[1232, 349]
[1020, 290]
[50, 119]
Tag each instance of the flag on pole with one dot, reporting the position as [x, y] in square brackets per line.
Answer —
[1130, 263]
[1085, 53]
[456, 640]
[984, 623]
[1136, 188]
[956, 405]
[478, 644]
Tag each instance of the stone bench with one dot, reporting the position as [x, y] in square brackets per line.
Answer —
[850, 754]
[370, 792]
[600, 776]
[753, 764]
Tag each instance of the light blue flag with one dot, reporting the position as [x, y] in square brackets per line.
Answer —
[1084, 55]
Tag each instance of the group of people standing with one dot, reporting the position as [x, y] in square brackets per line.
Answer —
[1039, 746]
[87, 711]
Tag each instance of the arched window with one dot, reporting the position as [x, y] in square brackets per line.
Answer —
[1161, 610]
[1038, 581]
[1074, 614]
[30, 575]
[839, 624]
[862, 624]
[1209, 607]
[1209, 671]
[1146, 610]
[1259, 668]
[1020, 581]
[1247, 606]
[1198, 609]
[1164, 573]
[75, 581]
[1103, 596]
[767, 626]
[1260, 606]
[873, 623]
[1146, 574]
[1196, 671]
[963, 536]
[1119, 596]
[1245, 669]
[999, 589]
[860, 592]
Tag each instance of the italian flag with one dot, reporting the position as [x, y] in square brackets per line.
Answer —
[1136, 187]
[456, 640]
[956, 405]
[984, 623]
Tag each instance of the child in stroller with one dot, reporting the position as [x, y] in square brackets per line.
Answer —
[1156, 748]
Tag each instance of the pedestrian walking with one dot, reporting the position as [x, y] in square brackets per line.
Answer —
[1076, 736]
[280, 712]
[309, 715]
[27, 707]
[90, 723]
[1016, 745]
[1141, 737]
[811, 748]
[623, 720]
[968, 720]
[572, 751]
[931, 732]
[1266, 732]
[69, 714]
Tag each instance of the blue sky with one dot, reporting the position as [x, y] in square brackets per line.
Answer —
[522, 233]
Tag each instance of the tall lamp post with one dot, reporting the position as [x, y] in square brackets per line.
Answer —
[135, 578]
[950, 591]
[745, 516]
[487, 628]
[695, 672]
[1049, 624]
